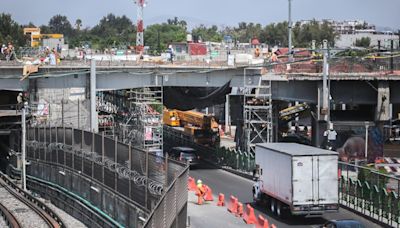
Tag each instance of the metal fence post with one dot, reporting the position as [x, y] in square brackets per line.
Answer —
[147, 178]
[130, 168]
[65, 156]
[62, 112]
[79, 114]
[116, 161]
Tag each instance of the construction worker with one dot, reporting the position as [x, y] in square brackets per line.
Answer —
[200, 192]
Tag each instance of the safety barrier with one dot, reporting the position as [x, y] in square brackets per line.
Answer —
[119, 178]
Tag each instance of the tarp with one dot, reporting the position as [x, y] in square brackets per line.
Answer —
[189, 98]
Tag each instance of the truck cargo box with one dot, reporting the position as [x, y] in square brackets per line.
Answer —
[303, 177]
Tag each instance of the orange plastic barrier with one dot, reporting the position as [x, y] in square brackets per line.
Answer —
[221, 200]
[191, 184]
[249, 217]
[239, 212]
[262, 222]
[232, 208]
[208, 195]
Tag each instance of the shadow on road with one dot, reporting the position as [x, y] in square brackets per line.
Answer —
[290, 220]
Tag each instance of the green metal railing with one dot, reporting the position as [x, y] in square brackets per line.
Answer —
[370, 192]
[221, 156]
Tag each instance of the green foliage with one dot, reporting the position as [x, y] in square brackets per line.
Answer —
[207, 33]
[60, 24]
[119, 31]
[304, 34]
[158, 36]
[113, 31]
[10, 31]
[363, 42]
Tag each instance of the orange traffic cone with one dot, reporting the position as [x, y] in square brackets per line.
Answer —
[191, 184]
[249, 217]
[233, 205]
[208, 195]
[221, 200]
[262, 222]
[239, 211]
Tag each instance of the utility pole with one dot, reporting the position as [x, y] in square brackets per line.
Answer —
[94, 125]
[290, 30]
[23, 146]
[391, 55]
[325, 92]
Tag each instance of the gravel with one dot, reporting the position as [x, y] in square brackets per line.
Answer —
[26, 217]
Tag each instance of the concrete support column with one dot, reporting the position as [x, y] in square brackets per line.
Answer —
[94, 126]
[227, 115]
[383, 103]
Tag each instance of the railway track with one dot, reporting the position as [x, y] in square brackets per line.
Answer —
[20, 209]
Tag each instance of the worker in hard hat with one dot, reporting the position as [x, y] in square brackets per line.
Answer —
[200, 192]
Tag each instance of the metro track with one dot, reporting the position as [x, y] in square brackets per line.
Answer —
[19, 208]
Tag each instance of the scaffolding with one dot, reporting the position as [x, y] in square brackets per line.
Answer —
[257, 110]
[144, 127]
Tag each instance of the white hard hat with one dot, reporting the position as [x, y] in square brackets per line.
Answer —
[199, 182]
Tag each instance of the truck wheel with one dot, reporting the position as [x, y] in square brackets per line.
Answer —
[273, 205]
[279, 209]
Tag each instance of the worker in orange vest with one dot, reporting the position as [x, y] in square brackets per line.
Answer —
[200, 192]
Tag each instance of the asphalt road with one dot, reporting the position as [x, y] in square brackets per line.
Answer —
[224, 182]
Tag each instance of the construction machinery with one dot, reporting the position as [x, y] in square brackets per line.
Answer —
[291, 113]
[203, 128]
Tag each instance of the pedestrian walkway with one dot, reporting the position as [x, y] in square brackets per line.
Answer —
[210, 215]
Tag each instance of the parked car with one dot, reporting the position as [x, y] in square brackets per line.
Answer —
[185, 154]
[346, 223]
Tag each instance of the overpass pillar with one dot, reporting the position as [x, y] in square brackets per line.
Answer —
[383, 110]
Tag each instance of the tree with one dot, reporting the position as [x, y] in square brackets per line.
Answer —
[363, 42]
[78, 24]
[158, 36]
[11, 31]
[60, 24]
[207, 34]
[114, 31]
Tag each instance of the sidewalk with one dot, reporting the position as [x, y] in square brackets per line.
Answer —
[210, 215]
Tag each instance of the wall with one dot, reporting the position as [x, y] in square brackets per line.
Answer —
[348, 40]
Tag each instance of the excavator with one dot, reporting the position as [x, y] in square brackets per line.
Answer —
[202, 127]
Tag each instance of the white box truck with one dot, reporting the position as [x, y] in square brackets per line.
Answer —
[296, 179]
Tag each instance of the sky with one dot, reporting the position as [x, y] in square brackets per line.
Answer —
[383, 13]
